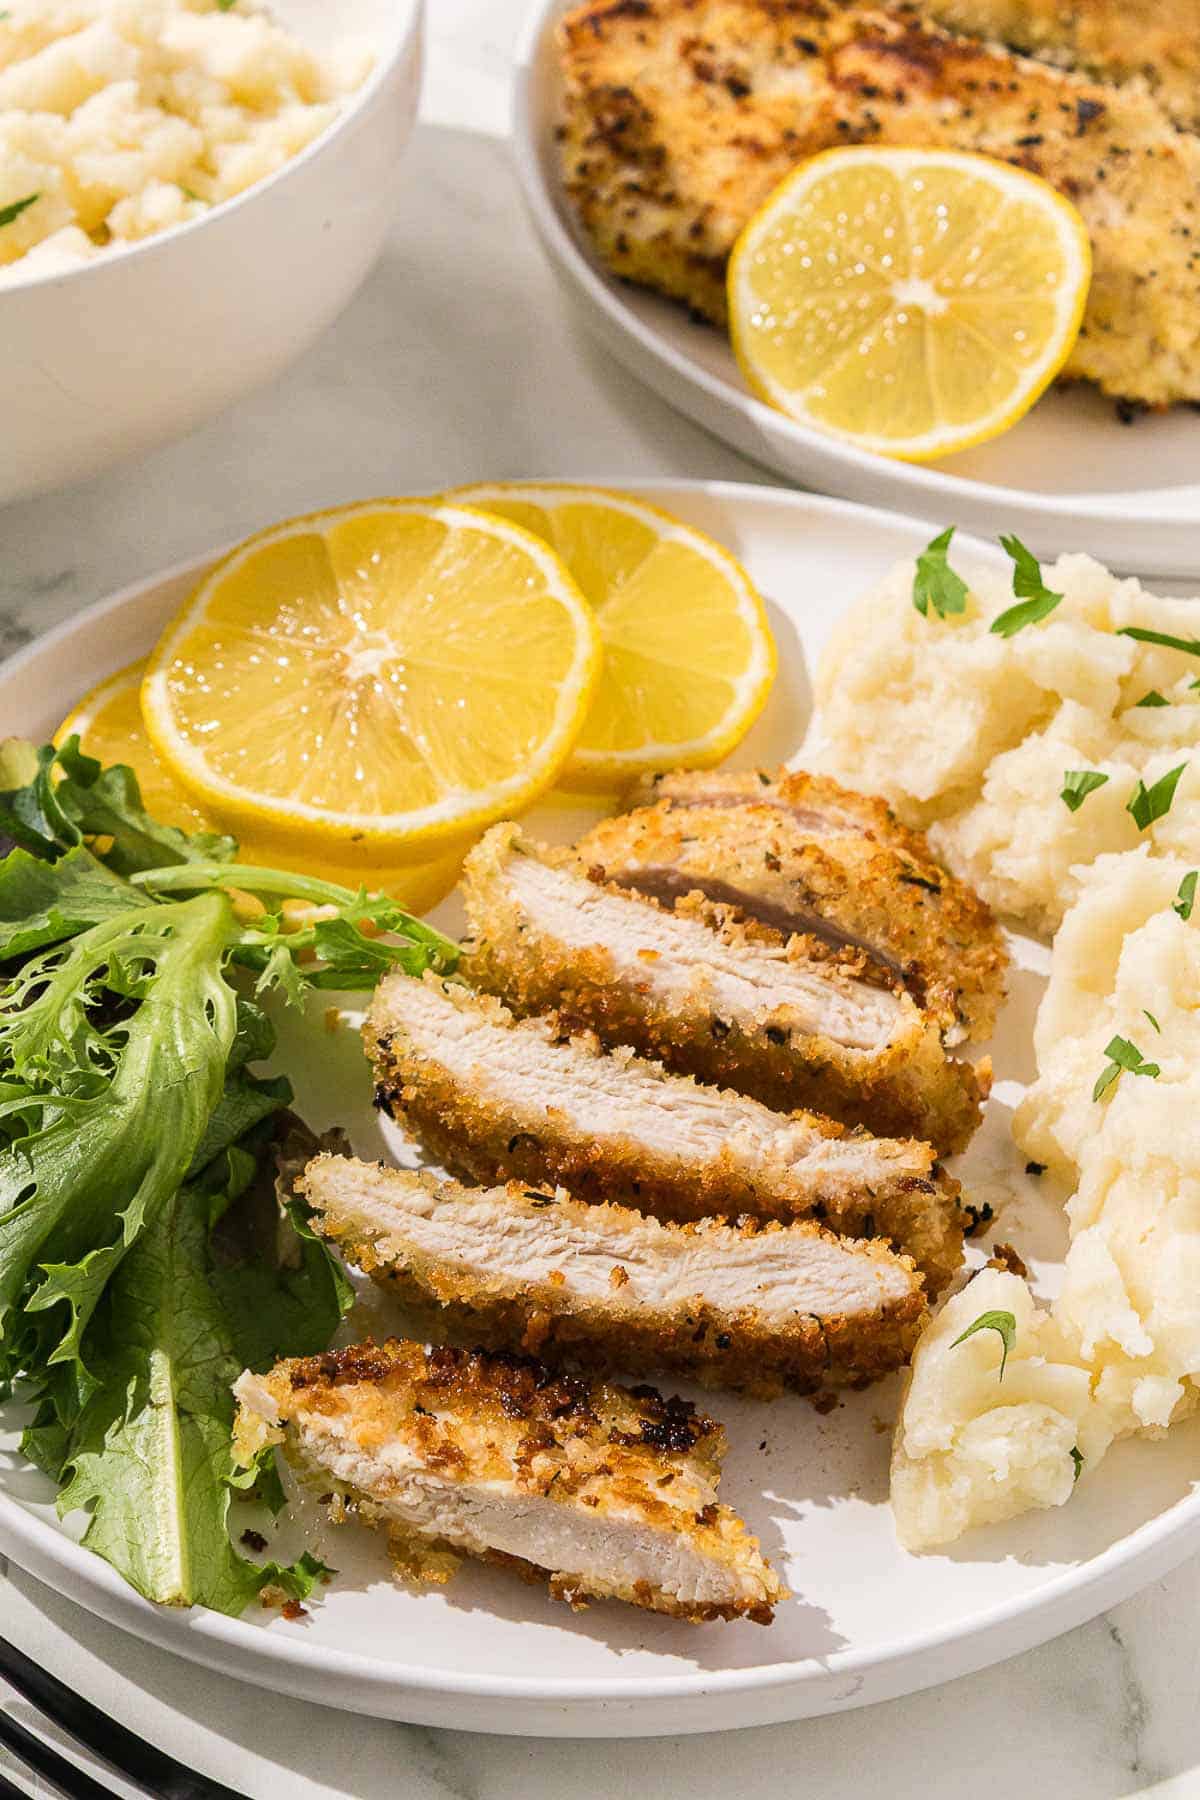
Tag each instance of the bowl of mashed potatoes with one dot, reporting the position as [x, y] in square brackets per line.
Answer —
[190, 192]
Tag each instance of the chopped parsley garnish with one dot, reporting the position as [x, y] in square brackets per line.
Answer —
[1189, 646]
[1037, 600]
[1153, 1020]
[1077, 1459]
[1186, 897]
[1146, 804]
[935, 584]
[15, 208]
[1002, 1322]
[1123, 1057]
[1078, 784]
[1153, 698]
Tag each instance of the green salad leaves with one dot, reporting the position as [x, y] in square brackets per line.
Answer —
[140, 1269]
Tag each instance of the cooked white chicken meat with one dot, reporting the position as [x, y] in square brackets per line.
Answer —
[609, 1493]
[499, 1100]
[754, 1307]
[804, 854]
[787, 1020]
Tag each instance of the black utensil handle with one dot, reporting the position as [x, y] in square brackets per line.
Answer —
[122, 1749]
[36, 1755]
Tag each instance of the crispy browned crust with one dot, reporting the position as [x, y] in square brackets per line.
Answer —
[1156, 42]
[738, 1348]
[468, 1416]
[917, 1206]
[908, 1088]
[681, 116]
[795, 846]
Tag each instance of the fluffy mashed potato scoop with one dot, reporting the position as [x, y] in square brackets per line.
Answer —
[120, 118]
[969, 734]
[972, 1448]
[1119, 1350]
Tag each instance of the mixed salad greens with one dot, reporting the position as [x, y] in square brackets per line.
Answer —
[144, 1257]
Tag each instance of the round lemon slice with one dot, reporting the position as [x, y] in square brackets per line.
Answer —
[108, 723]
[688, 654]
[378, 677]
[910, 301]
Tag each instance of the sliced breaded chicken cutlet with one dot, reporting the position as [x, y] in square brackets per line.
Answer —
[757, 1308]
[803, 854]
[789, 1021]
[499, 1099]
[681, 116]
[610, 1493]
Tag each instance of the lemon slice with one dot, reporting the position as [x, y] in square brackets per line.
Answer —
[378, 677]
[108, 723]
[910, 301]
[688, 655]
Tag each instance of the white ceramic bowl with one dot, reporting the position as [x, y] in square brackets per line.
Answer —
[144, 344]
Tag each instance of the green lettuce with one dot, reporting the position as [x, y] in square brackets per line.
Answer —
[140, 1266]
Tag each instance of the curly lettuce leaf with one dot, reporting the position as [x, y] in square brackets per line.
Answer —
[124, 1108]
[52, 798]
[43, 903]
[151, 1459]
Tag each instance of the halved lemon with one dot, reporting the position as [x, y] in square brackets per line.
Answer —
[108, 723]
[910, 301]
[688, 654]
[376, 678]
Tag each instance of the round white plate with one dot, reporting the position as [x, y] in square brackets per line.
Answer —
[869, 1622]
[1070, 476]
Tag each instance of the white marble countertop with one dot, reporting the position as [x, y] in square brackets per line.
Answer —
[486, 375]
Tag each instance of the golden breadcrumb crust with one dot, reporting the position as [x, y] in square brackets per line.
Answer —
[1155, 42]
[789, 846]
[906, 1197]
[469, 1417]
[740, 1348]
[906, 1088]
[681, 116]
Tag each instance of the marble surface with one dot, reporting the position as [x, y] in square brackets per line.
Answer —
[458, 361]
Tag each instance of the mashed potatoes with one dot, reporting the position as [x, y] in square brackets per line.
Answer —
[1119, 1351]
[972, 1449]
[121, 118]
[970, 734]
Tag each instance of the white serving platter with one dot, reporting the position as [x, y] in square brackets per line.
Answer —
[1070, 476]
[869, 1622]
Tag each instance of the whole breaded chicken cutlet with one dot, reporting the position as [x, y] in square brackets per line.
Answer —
[681, 116]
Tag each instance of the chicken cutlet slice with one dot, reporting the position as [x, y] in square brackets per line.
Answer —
[786, 1020]
[609, 1493]
[681, 116]
[789, 851]
[758, 1308]
[504, 1100]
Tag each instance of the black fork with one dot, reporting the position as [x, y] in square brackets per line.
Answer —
[122, 1750]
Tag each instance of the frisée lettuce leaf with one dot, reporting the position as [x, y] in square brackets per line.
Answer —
[135, 1134]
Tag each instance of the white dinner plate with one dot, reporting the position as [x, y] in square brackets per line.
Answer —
[1070, 476]
[868, 1621]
